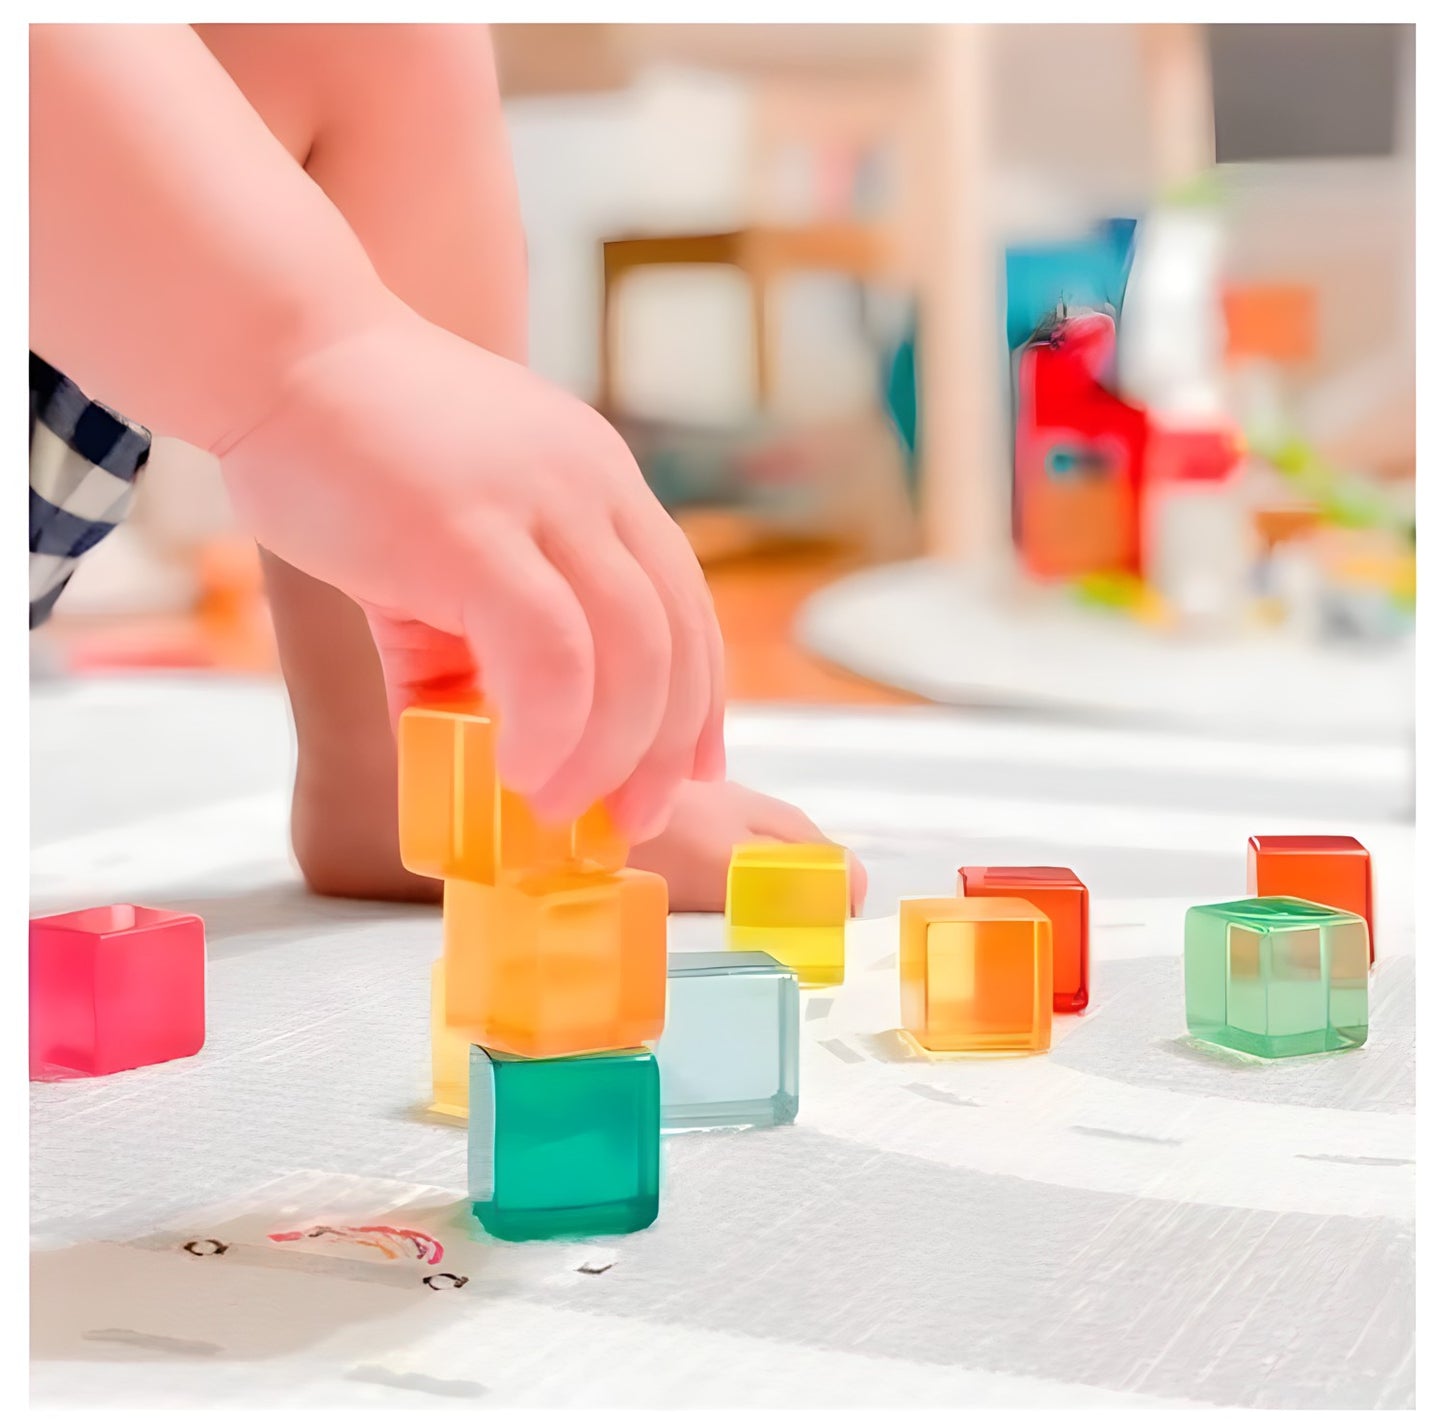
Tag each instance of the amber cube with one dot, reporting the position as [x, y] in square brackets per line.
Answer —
[790, 900]
[561, 963]
[458, 822]
[1058, 893]
[1331, 870]
[450, 1052]
[976, 973]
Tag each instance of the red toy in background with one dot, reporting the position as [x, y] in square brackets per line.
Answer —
[1078, 454]
[1095, 477]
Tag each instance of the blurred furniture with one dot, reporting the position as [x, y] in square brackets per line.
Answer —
[761, 254]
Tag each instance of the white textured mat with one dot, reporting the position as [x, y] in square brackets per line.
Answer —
[1126, 1220]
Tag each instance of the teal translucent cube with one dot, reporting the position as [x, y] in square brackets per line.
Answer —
[563, 1148]
[1276, 976]
[729, 1050]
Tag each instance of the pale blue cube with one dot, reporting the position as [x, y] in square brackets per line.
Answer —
[729, 1050]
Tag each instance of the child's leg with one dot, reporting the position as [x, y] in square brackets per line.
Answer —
[358, 105]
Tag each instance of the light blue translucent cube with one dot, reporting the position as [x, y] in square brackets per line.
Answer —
[729, 1050]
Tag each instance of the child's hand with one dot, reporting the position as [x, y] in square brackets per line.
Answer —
[708, 820]
[497, 530]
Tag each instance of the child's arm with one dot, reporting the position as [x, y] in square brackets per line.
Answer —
[185, 270]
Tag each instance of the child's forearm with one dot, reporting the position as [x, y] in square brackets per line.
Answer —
[181, 261]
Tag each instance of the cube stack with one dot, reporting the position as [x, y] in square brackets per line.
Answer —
[552, 981]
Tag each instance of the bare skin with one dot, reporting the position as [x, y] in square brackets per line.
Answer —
[352, 105]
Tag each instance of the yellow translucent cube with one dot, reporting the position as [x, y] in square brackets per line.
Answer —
[790, 900]
[455, 819]
[450, 1052]
[976, 973]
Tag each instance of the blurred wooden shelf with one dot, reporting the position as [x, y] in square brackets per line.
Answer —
[761, 253]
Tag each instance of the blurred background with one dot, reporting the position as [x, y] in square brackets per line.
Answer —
[1056, 367]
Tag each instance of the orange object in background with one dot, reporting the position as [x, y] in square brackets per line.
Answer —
[1278, 525]
[457, 821]
[976, 973]
[1271, 322]
[228, 628]
[562, 963]
[1058, 893]
[1332, 870]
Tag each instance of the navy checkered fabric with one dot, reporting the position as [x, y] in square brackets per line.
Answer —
[84, 461]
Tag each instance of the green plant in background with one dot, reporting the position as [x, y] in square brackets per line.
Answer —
[1122, 592]
[1344, 500]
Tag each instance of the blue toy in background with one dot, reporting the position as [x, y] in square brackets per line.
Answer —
[1087, 274]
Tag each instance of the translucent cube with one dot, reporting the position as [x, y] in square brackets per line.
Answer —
[1333, 870]
[1058, 893]
[1276, 976]
[113, 988]
[557, 964]
[790, 900]
[563, 1148]
[450, 1052]
[976, 973]
[456, 820]
[729, 1052]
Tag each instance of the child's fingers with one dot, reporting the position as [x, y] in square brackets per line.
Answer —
[773, 818]
[633, 654]
[710, 762]
[419, 663]
[534, 646]
[642, 804]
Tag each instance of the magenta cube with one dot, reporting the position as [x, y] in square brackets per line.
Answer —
[115, 987]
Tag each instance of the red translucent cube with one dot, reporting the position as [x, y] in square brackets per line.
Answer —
[1330, 869]
[112, 988]
[1064, 900]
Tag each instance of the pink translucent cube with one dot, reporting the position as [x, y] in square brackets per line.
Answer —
[112, 988]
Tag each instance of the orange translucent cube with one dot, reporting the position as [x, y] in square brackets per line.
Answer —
[563, 963]
[1058, 893]
[457, 821]
[1332, 870]
[976, 973]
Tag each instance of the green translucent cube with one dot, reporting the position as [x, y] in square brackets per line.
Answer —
[563, 1148]
[1276, 976]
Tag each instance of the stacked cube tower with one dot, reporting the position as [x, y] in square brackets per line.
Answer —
[553, 980]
